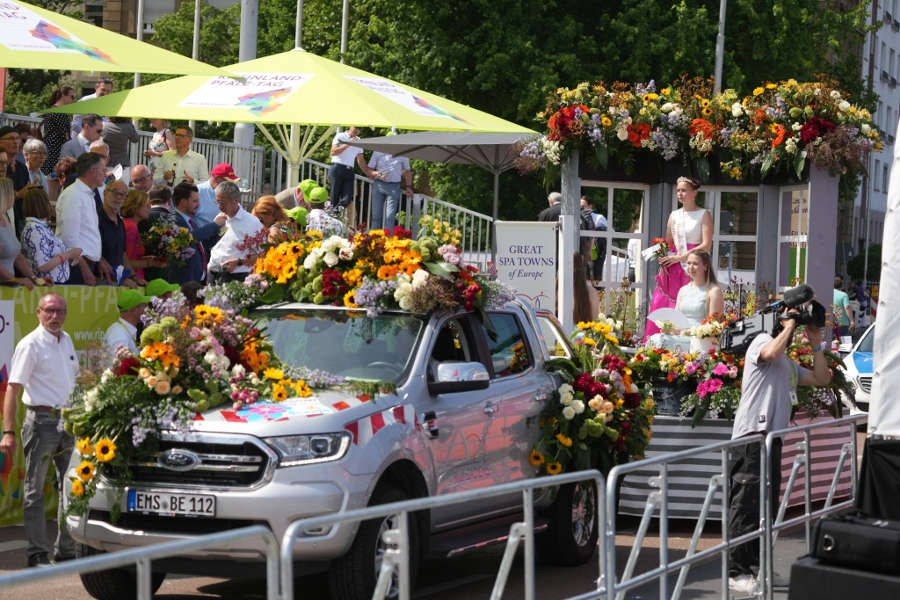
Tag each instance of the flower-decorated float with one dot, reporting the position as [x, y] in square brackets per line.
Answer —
[342, 372]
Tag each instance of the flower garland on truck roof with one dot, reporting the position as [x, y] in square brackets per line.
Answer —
[779, 127]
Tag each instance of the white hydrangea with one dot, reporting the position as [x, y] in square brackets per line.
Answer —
[737, 109]
[419, 278]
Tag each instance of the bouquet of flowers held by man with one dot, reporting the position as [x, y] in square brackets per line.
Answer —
[165, 238]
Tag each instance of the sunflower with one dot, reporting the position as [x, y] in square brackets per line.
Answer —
[554, 468]
[84, 447]
[707, 111]
[349, 299]
[302, 390]
[758, 91]
[605, 121]
[536, 458]
[588, 341]
[273, 373]
[77, 488]
[564, 440]
[279, 392]
[85, 471]
[704, 103]
[106, 450]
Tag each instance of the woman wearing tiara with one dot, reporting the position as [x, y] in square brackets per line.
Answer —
[689, 227]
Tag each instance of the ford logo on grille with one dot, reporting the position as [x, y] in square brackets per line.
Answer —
[178, 460]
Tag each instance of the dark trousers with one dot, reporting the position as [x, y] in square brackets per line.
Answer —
[743, 503]
[225, 276]
[341, 179]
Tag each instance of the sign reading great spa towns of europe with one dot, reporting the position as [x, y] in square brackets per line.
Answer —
[526, 260]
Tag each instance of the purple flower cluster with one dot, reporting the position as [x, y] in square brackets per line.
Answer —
[640, 89]
[369, 294]
[314, 378]
[666, 143]
[450, 254]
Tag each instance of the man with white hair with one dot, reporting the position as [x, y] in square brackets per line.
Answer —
[551, 213]
[141, 178]
[231, 259]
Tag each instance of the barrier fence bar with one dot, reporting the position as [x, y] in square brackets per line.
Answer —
[400, 537]
[142, 557]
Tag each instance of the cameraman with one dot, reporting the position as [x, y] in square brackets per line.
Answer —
[768, 390]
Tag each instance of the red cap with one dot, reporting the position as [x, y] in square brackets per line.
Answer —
[224, 171]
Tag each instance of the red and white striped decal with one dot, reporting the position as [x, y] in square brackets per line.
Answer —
[365, 429]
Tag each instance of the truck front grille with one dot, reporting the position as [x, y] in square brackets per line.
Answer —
[866, 384]
[218, 462]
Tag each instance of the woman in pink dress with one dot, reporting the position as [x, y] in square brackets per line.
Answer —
[689, 227]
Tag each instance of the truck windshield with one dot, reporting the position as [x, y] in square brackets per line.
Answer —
[345, 343]
[868, 341]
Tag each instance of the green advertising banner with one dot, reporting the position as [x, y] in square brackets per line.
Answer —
[91, 311]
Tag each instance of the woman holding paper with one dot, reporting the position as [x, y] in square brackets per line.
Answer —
[689, 227]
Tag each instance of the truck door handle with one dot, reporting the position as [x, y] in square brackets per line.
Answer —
[490, 409]
[428, 421]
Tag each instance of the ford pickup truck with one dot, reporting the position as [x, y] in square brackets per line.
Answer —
[467, 390]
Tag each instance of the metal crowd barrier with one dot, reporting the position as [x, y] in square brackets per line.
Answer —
[802, 460]
[396, 560]
[142, 557]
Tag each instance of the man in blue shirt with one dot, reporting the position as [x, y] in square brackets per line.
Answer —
[387, 170]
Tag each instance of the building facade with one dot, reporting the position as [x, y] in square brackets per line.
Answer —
[881, 68]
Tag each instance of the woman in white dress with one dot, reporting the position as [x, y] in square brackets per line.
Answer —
[689, 227]
[702, 297]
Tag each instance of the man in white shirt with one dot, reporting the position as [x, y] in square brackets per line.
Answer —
[343, 157]
[101, 88]
[387, 170]
[228, 262]
[206, 193]
[77, 223]
[44, 364]
[182, 163]
[80, 143]
[123, 332]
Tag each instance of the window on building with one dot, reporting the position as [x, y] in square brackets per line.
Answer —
[875, 172]
[884, 177]
[891, 63]
[883, 56]
[879, 119]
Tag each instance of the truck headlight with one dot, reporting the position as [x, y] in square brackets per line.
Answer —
[295, 450]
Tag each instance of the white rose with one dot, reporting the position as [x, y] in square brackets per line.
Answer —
[309, 262]
[405, 302]
[865, 128]
[677, 110]
[667, 107]
[736, 109]
[210, 357]
[238, 370]
[345, 253]
[843, 106]
[566, 389]
[566, 399]
[568, 413]
[578, 405]
[331, 259]
[419, 277]
[622, 133]
[403, 290]
[835, 94]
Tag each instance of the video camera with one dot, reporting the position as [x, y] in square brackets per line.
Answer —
[736, 338]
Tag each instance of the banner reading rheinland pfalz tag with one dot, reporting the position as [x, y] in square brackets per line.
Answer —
[259, 93]
[526, 260]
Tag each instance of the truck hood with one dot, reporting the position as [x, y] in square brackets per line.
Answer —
[863, 362]
[323, 412]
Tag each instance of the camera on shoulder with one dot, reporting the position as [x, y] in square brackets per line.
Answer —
[797, 304]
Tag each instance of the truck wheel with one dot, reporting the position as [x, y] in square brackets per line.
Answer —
[114, 584]
[571, 537]
[353, 576]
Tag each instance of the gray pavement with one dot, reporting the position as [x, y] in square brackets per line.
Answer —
[468, 576]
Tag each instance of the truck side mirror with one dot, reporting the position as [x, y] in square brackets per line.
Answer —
[455, 377]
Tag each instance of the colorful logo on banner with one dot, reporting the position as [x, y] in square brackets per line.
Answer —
[404, 98]
[63, 40]
[24, 29]
[259, 93]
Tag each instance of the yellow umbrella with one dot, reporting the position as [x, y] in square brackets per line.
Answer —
[296, 87]
[36, 38]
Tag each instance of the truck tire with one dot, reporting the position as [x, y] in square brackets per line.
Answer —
[571, 537]
[114, 584]
[353, 576]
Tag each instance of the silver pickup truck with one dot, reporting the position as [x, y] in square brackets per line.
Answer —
[464, 416]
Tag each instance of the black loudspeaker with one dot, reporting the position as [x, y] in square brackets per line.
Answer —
[860, 542]
[813, 579]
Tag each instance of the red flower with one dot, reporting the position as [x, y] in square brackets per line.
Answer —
[815, 128]
[632, 400]
[702, 126]
[128, 366]
[637, 133]
[401, 233]
[559, 124]
[780, 131]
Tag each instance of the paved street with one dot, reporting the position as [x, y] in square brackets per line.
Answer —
[469, 576]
